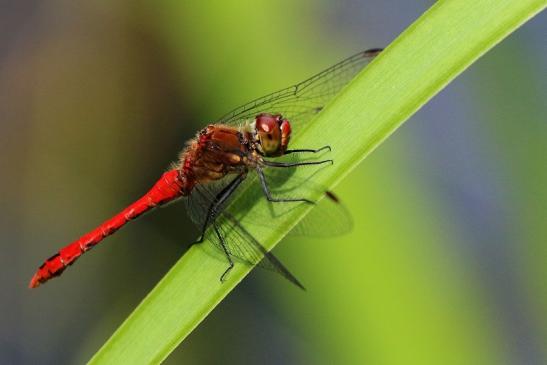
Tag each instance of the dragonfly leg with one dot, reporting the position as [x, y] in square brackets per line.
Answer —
[225, 249]
[268, 193]
[294, 164]
[217, 202]
[308, 150]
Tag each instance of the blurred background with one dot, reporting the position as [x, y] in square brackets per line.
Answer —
[447, 263]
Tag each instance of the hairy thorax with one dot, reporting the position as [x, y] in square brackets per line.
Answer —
[216, 151]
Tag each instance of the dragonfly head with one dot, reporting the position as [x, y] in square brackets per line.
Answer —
[272, 133]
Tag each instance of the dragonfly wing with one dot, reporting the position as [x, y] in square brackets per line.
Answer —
[239, 243]
[243, 247]
[300, 102]
[328, 218]
[203, 196]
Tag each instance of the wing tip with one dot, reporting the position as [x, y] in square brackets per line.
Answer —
[372, 52]
[299, 284]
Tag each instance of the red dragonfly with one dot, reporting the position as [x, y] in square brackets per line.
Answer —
[252, 137]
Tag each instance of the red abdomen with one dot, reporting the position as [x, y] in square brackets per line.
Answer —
[171, 186]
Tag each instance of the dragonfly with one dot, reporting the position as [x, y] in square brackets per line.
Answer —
[251, 140]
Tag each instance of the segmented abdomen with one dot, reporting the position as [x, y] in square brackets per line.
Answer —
[171, 186]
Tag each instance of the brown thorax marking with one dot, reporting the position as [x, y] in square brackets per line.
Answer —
[216, 151]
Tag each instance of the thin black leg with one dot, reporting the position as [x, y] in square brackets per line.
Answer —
[223, 244]
[308, 150]
[221, 197]
[268, 193]
[294, 164]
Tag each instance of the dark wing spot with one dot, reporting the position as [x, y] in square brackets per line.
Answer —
[372, 52]
[331, 196]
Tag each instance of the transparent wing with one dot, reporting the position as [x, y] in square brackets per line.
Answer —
[202, 197]
[302, 101]
[328, 218]
[238, 242]
[241, 245]
[324, 220]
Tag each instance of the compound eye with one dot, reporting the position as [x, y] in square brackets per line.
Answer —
[285, 128]
[269, 133]
[266, 123]
[285, 134]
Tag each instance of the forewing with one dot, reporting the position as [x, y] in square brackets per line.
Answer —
[328, 218]
[302, 101]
